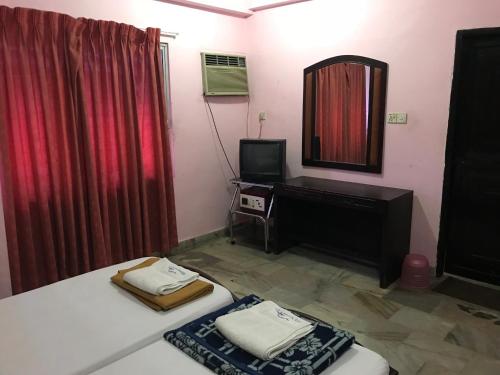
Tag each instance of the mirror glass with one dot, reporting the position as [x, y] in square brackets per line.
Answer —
[344, 111]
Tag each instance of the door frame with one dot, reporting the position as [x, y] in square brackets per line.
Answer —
[450, 144]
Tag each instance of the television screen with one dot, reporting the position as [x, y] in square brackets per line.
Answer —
[262, 160]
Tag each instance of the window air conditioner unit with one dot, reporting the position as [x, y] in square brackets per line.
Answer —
[224, 74]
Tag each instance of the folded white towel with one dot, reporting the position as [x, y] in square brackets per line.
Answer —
[264, 330]
[178, 273]
[161, 278]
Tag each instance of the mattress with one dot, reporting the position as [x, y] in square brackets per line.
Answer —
[81, 324]
[163, 358]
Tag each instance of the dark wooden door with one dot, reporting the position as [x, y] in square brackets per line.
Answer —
[469, 243]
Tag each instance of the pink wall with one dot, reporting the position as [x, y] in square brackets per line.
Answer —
[416, 39]
[5, 287]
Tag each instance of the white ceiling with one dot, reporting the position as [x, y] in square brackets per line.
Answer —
[237, 8]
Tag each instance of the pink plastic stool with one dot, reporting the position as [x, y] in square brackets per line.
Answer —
[415, 273]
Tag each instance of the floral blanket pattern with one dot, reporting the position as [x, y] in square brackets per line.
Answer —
[309, 356]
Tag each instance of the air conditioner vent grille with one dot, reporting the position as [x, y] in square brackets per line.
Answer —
[224, 74]
[222, 60]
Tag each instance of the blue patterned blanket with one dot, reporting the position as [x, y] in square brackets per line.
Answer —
[310, 355]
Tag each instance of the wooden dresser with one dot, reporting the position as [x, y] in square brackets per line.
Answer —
[363, 223]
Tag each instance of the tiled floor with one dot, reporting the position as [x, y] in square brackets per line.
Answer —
[422, 333]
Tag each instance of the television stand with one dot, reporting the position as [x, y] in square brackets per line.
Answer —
[264, 217]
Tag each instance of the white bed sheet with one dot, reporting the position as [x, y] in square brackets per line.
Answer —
[163, 358]
[81, 324]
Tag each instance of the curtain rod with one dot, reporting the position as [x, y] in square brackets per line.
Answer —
[168, 34]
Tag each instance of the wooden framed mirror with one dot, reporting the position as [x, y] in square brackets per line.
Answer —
[344, 113]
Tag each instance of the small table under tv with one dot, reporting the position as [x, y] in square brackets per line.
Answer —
[262, 213]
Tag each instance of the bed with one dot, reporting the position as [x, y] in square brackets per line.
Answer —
[81, 324]
[163, 358]
[87, 325]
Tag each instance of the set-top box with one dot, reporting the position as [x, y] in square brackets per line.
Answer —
[255, 200]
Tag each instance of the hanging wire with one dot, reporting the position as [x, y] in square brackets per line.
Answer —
[218, 137]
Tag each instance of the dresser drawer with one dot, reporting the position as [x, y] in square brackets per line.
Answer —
[338, 200]
[303, 194]
[355, 203]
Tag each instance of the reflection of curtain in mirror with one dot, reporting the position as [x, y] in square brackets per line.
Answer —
[341, 113]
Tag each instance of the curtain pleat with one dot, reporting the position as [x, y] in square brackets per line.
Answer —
[85, 160]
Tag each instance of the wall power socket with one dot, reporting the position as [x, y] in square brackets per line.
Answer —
[397, 118]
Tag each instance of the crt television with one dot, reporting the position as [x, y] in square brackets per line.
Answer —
[262, 160]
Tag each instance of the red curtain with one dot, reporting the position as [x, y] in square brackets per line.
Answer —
[341, 113]
[85, 160]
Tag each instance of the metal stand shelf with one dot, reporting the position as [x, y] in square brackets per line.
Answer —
[264, 218]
